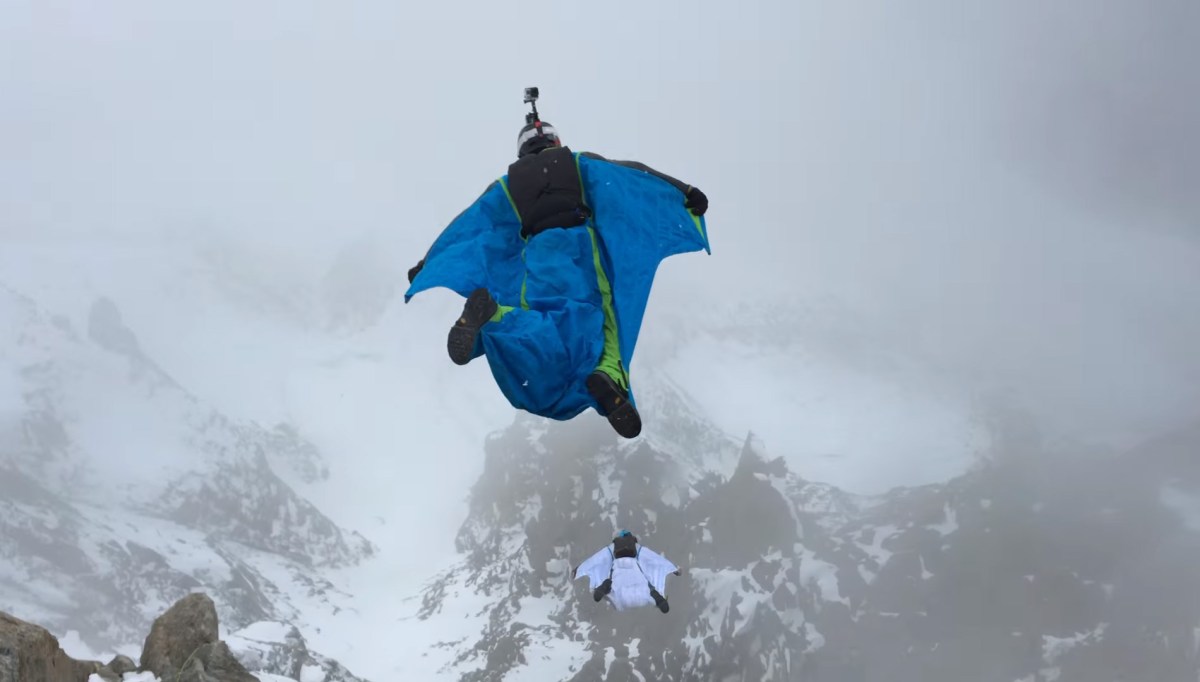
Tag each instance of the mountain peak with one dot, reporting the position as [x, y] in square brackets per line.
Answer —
[108, 331]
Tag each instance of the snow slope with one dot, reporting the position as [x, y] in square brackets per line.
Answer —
[862, 424]
[220, 352]
[208, 350]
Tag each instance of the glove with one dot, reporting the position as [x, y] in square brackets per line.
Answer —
[414, 270]
[696, 201]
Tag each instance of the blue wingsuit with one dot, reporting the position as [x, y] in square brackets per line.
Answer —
[566, 295]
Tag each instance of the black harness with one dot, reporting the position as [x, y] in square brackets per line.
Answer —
[547, 191]
[625, 546]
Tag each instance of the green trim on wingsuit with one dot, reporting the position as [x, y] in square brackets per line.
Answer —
[582, 188]
[504, 186]
[524, 282]
[610, 357]
[696, 218]
[501, 311]
[524, 279]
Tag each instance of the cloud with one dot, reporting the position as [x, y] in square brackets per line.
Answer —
[1003, 188]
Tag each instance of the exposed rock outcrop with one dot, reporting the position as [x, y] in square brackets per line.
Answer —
[29, 653]
[184, 644]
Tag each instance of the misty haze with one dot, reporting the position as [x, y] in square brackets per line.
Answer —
[928, 411]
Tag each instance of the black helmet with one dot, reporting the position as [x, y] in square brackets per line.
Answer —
[536, 136]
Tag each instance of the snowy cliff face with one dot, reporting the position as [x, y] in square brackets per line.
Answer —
[1063, 569]
[120, 491]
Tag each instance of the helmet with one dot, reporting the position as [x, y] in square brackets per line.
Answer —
[536, 135]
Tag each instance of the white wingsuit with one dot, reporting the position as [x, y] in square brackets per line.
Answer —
[632, 577]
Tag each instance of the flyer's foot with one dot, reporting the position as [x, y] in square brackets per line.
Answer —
[478, 310]
[605, 588]
[614, 404]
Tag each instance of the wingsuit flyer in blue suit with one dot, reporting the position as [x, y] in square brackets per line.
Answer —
[556, 260]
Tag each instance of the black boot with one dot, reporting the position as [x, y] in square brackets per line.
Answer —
[605, 588]
[614, 404]
[478, 310]
[660, 601]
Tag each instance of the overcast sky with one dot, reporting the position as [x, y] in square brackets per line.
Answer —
[1006, 189]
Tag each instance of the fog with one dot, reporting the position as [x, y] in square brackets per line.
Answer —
[1004, 190]
[1004, 194]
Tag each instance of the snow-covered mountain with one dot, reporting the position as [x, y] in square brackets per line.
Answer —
[1071, 568]
[824, 390]
[122, 492]
[275, 442]
[176, 418]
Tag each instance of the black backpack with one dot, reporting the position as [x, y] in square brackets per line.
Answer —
[625, 546]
